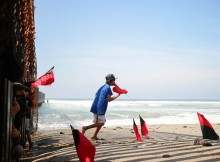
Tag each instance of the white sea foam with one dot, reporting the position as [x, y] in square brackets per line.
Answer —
[57, 114]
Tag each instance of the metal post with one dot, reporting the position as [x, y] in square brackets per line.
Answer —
[5, 115]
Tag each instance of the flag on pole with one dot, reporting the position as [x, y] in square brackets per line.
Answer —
[119, 90]
[138, 137]
[144, 130]
[207, 130]
[44, 80]
[84, 148]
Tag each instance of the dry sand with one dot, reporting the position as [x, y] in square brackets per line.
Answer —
[176, 142]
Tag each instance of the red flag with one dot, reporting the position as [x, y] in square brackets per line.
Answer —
[207, 130]
[138, 137]
[144, 130]
[85, 149]
[119, 90]
[46, 79]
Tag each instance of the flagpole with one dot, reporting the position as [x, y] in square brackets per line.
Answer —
[47, 72]
[130, 97]
[50, 70]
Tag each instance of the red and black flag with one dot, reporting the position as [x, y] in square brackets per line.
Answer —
[138, 137]
[44, 80]
[144, 130]
[207, 130]
[84, 148]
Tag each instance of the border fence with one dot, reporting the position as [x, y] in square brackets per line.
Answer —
[17, 63]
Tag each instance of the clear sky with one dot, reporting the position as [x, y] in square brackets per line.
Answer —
[158, 49]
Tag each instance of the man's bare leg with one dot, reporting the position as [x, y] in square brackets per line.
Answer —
[97, 131]
[84, 128]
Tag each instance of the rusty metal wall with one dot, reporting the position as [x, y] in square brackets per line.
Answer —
[17, 40]
[28, 31]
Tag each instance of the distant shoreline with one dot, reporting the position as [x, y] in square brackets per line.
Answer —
[137, 99]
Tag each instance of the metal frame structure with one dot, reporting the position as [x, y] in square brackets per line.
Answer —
[17, 61]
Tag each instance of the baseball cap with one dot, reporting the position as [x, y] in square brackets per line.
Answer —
[110, 77]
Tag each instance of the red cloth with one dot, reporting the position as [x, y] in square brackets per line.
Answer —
[44, 80]
[207, 130]
[144, 130]
[119, 90]
[85, 149]
[138, 137]
[203, 121]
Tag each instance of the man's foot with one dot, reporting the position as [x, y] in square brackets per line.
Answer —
[96, 138]
[83, 130]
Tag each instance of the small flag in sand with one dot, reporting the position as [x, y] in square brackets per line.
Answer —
[85, 149]
[138, 137]
[207, 129]
[144, 130]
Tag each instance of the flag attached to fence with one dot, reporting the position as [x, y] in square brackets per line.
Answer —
[84, 148]
[207, 130]
[44, 80]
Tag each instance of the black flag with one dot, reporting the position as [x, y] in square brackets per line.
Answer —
[207, 130]
[138, 137]
[144, 130]
[85, 149]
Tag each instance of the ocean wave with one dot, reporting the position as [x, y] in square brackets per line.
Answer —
[57, 114]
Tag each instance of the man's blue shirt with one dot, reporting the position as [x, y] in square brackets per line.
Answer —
[100, 102]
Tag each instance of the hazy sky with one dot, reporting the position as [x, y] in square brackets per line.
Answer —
[158, 49]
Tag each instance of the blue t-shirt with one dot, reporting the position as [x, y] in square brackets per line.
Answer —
[100, 102]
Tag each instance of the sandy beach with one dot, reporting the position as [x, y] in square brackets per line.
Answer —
[166, 143]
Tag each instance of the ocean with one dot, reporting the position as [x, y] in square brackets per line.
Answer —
[60, 113]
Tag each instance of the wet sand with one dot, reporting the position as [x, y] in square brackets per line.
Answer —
[166, 143]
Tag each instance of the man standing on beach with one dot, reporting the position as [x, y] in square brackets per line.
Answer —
[100, 104]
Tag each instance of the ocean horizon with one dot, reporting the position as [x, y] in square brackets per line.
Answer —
[136, 99]
[60, 113]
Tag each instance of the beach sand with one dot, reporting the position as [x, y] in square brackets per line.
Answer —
[175, 142]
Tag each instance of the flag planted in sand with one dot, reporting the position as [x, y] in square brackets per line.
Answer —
[138, 137]
[84, 148]
[207, 130]
[144, 130]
